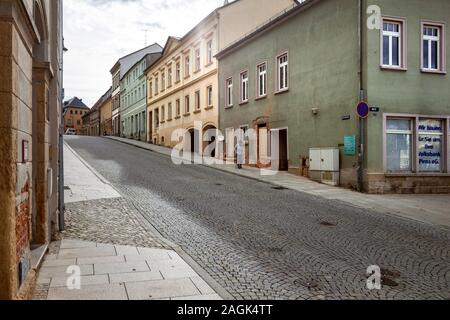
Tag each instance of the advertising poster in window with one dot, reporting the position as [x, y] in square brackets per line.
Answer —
[430, 145]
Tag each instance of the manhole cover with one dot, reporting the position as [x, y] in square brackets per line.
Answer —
[385, 281]
[279, 188]
[327, 224]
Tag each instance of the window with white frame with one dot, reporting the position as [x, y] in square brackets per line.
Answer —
[229, 92]
[209, 96]
[262, 79]
[169, 111]
[163, 113]
[187, 104]
[433, 51]
[156, 85]
[244, 87]
[169, 76]
[197, 59]
[163, 81]
[178, 72]
[430, 145]
[187, 65]
[209, 52]
[399, 135]
[197, 100]
[283, 72]
[178, 107]
[392, 43]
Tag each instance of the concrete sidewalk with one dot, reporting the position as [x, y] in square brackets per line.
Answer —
[112, 272]
[430, 209]
[119, 254]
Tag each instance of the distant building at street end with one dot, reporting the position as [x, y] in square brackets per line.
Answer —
[298, 78]
[133, 95]
[183, 83]
[30, 121]
[120, 68]
[74, 110]
[105, 110]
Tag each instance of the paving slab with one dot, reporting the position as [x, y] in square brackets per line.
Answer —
[210, 297]
[84, 280]
[87, 252]
[51, 272]
[135, 277]
[94, 292]
[161, 289]
[177, 272]
[100, 260]
[120, 267]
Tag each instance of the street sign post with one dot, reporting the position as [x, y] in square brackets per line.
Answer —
[363, 110]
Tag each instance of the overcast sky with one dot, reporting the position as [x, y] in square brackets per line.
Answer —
[99, 32]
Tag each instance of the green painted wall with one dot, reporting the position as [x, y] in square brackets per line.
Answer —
[408, 91]
[323, 61]
[134, 101]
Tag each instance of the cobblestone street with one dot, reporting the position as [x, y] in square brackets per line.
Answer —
[259, 242]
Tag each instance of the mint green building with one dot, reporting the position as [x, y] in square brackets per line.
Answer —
[133, 95]
[303, 73]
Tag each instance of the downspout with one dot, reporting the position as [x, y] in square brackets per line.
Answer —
[61, 205]
[361, 98]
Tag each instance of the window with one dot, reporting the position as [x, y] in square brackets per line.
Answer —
[187, 107]
[209, 96]
[156, 118]
[169, 110]
[156, 85]
[197, 100]
[169, 76]
[209, 52]
[187, 65]
[178, 72]
[433, 48]
[150, 88]
[416, 144]
[229, 92]
[393, 43]
[262, 79]
[178, 107]
[163, 113]
[163, 81]
[399, 144]
[244, 87]
[430, 145]
[283, 72]
[197, 59]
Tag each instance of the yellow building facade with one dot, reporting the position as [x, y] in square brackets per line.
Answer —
[183, 84]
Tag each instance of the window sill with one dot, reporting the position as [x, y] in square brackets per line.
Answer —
[177, 117]
[187, 77]
[418, 175]
[243, 103]
[197, 71]
[197, 111]
[209, 108]
[261, 98]
[177, 82]
[208, 65]
[229, 107]
[187, 115]
[162, 122]
[387, 68]
[433, 71]
[169, 120]
[281, 91]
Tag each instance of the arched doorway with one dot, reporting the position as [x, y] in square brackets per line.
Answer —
[209, 139]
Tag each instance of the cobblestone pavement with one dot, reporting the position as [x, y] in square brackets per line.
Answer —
[109, 221]
[260, 243]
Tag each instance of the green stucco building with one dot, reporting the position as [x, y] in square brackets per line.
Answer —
[133, 95]
[303, 73]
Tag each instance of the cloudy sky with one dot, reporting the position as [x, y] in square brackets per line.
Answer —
[98, 32]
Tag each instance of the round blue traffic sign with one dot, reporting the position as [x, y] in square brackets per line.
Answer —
[363, 110]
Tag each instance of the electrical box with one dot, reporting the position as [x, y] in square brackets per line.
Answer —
[324, 165]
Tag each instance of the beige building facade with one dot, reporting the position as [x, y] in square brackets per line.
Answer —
[182, 97]
[30, 100]
[106, 123]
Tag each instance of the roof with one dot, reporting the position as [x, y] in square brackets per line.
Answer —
[128, 61]
[75, 102]
[102, 100]
[269, 24]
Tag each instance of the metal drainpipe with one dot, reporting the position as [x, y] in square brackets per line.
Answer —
[361, 98]
[61, 133]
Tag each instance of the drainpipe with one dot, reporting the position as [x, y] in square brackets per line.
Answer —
[61, 205]
[361, 98]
